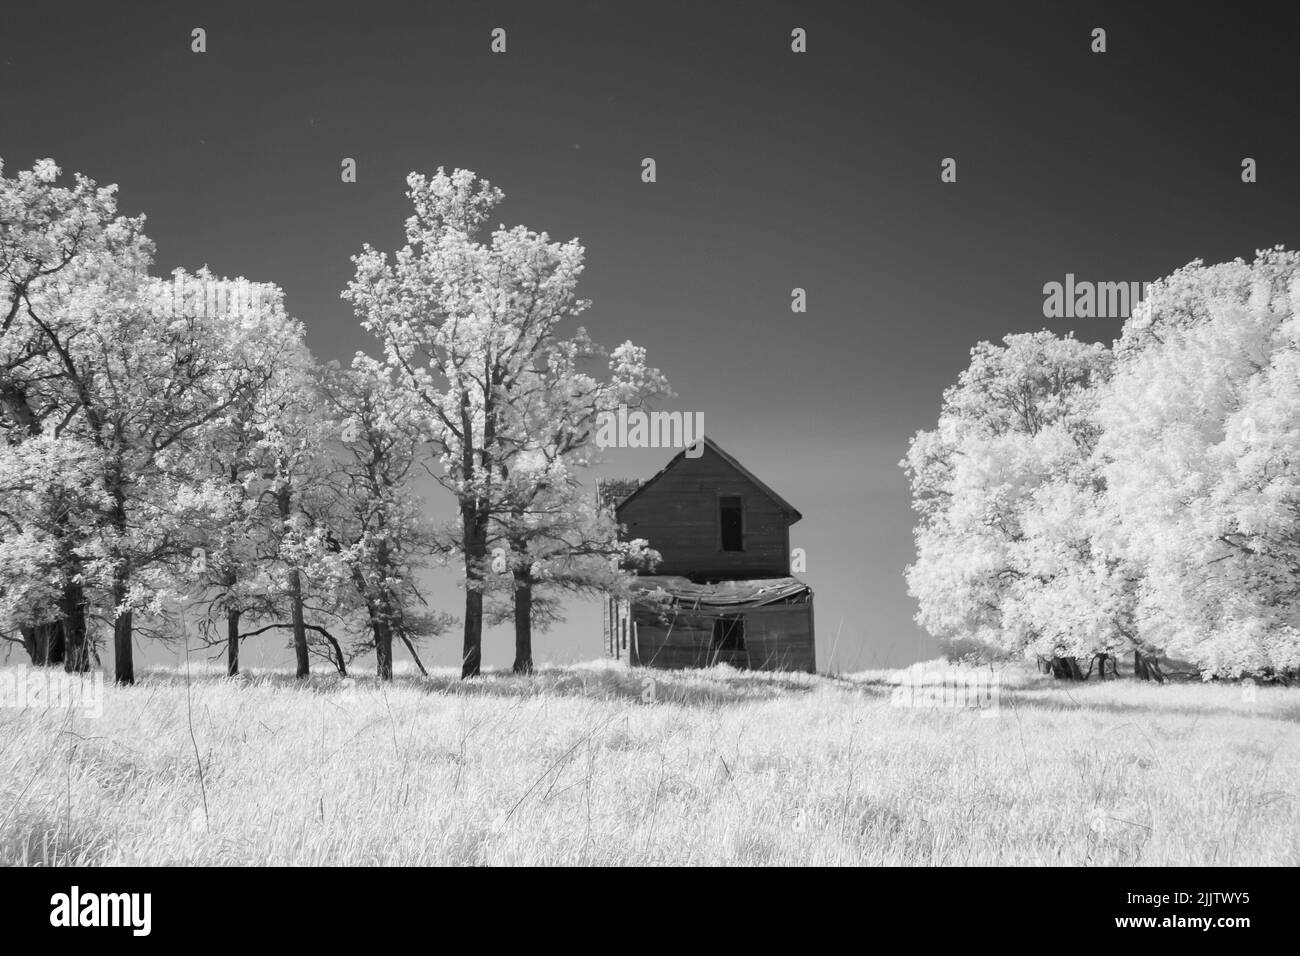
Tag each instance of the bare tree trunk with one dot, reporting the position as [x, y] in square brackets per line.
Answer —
[382, 611]
[523, 622]
[123, 652]
[295, 594]
[1146, 667]
[414, 656]
[37, 653]
[44, 643]
[53, 640]
[232, 642]
[336, 656]
[1065, 668]
[233, 614]
[474, 530]
[474, 515]
[472, 659]
[383, 648]
[299, 625]
[1100, 661]
[76, 653]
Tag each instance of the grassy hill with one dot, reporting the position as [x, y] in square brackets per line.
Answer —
[598, 764]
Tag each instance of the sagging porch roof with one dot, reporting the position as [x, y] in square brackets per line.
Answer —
[729, 594]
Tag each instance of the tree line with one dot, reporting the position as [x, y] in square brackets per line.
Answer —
[1078, 502]
[171, 455]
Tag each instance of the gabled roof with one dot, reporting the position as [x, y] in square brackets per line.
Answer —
[709, 443]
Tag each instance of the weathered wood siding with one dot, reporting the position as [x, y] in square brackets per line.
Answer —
[678, 515]
[777, 638]
[780, 638]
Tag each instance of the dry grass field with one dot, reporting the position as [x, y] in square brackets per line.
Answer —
[593, 765]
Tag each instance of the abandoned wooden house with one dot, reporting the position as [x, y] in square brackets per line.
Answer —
[723, 592]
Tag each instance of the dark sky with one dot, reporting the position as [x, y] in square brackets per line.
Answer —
[775, 171]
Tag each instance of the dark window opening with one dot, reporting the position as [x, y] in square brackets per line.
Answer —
[731, 518]
[729, 634]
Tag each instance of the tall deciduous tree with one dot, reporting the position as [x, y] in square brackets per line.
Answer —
[549, 529]
[378, 525]
[144, 377]
[464, 319]
[1201, 449]
[50, 235]
[1077, 500]
[138, 378]
[1009, 552]
[233, 555]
